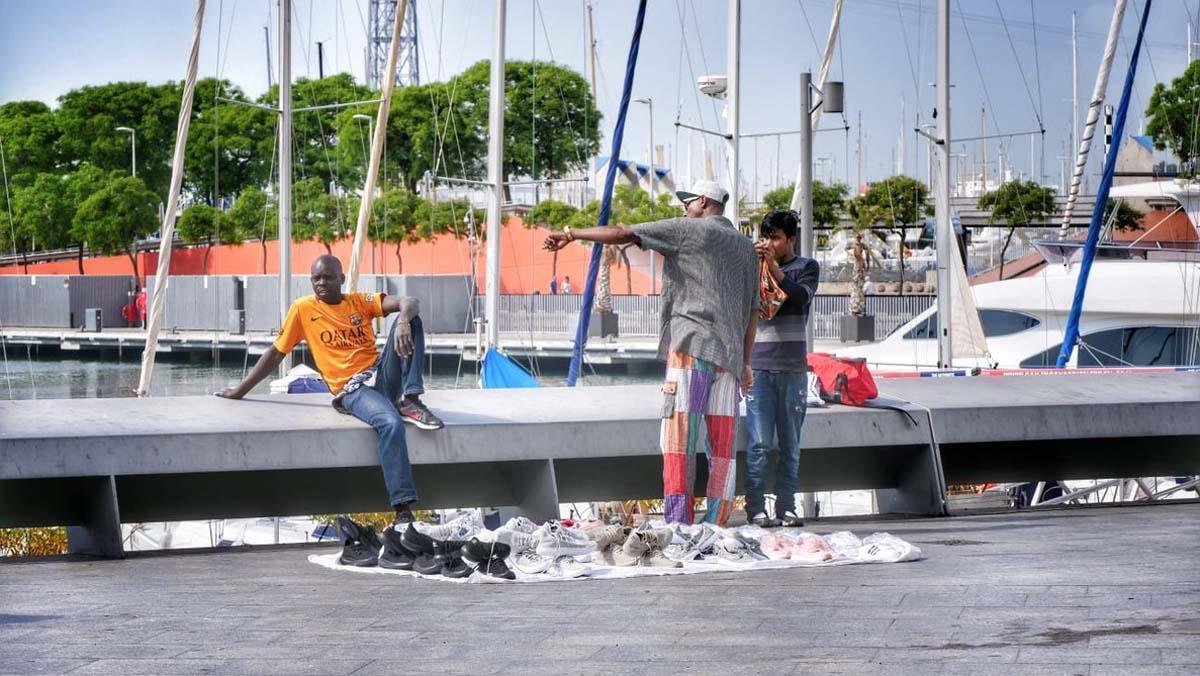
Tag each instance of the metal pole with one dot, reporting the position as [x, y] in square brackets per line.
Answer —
[496, 173]
[653, 176]
[1075, 88]
[285, 167]
[944, 227]
[806, 174]
[133, 149]
[733, 104]
[320, 60]
[653, 191]
[983, 165]
[267, 38]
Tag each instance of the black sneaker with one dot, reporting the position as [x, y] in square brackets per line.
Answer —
[496, 567]
[395, 556]
[790, 519]
[761, 520]
[417, 542]
[404, 516]
[360, 545]
[477, 551]
[417, 413]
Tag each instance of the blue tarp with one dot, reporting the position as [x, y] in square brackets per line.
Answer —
[500, 371]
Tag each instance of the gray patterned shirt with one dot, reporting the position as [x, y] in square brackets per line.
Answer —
[710, 287]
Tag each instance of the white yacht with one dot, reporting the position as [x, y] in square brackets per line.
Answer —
[1142, 306]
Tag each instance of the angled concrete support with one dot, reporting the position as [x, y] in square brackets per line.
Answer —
[534, 489]
[99, 531]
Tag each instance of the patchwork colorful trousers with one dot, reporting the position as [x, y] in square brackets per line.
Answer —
[698, 397]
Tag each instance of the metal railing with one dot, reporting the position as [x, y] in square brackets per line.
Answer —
[639, 315]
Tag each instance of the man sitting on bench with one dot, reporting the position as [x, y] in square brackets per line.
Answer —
[366, 383]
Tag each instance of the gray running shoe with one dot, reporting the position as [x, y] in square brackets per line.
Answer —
[418, 414]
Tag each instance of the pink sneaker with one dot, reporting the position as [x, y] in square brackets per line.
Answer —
[810, 548]
[775, 546]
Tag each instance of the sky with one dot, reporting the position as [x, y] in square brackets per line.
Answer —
[1011, 56]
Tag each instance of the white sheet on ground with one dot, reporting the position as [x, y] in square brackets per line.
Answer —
[846, 549]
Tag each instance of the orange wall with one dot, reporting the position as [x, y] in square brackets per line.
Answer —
[524, 266]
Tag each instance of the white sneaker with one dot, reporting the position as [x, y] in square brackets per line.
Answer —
[568, 567]
[518, 541]
[530, 562]
[557, 541]
[520, 524]
[732, 550]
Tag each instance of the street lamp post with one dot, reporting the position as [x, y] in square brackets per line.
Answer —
[370, 143]
[133, 145]
[653, 176]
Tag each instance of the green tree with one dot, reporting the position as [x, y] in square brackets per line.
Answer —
[551, 214]
[250, 217]
[423, 119]
[42, 211]
[202, 223]
[1127, 218]
[551, 124]
[829, 201]
[1171, 115]
[229, 145]
[29, 130]
[116, 216]
[88, 117]
[315, 132]
[395, 216]
[316, 214]
[865, 214]
[903, 202]
[1019, 204]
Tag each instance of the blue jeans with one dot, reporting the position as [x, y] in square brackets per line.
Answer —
[775, 409]
[395, 376]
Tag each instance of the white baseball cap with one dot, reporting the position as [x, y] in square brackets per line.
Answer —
[710, 189]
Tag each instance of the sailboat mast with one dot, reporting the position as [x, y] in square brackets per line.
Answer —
[944, 227]
[733, 104]
[285, 165]
[1094, 106]
[496, 173]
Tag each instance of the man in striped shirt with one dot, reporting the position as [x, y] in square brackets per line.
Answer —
[775, 405]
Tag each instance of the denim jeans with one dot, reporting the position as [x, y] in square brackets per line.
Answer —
[775, 409]
[395, 376]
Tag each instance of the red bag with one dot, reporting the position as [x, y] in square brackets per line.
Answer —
[843, 380]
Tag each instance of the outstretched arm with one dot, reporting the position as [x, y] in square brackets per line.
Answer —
[408, 308]
[607, 234]
[265, 366]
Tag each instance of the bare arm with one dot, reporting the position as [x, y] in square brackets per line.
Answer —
[748, 348]
[265, 366]
[408, 308]
[607, 234]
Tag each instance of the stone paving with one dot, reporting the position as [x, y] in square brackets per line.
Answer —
[1093, 591]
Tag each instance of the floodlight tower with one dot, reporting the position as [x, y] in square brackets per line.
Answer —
[381, 18]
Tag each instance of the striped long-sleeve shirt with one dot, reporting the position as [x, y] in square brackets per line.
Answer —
[780, 344]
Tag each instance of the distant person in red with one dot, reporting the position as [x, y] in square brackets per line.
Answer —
[141, 308]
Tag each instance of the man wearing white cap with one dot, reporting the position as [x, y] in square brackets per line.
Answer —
[710, 294]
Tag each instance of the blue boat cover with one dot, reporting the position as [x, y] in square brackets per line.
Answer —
[501, 371]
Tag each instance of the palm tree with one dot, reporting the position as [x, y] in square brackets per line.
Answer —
[863, 214]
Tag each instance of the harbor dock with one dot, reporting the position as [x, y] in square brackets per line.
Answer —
[1092, 591]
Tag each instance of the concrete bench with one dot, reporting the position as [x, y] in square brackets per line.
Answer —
[94, 463]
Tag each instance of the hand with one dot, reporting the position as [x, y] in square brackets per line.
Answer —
[762, 249]
[230, 393]
[404, 340]
[747, 380]
[555, 241]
